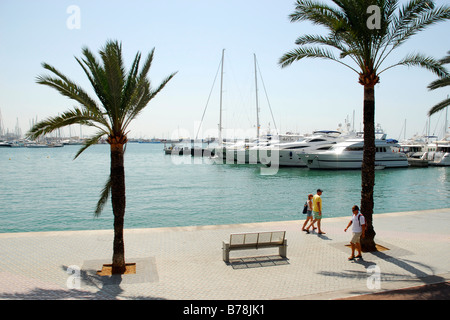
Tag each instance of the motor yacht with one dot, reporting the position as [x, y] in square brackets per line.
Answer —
[349, 155]
[289, 153]
[438, 153]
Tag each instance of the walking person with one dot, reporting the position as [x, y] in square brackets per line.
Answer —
[316, 211]
[359, 228]
[308, 212]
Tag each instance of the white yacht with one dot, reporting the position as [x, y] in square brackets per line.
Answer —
[289, 153]
[249, 152]
[233, 150]
[349, 155]
[246, 151]
[438, 153]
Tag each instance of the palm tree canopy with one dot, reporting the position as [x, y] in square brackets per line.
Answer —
[351, 34]
[122, 95]
[440, 83]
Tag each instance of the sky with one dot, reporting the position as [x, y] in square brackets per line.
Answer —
[188, 37]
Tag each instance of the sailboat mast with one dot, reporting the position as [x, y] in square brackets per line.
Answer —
[257, 107]
[221, 89]
[446, 121]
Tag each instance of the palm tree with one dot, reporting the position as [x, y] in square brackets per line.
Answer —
[440, 83]
[122, 95]
[366, 32]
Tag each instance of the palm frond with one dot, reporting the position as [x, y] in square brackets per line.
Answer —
[136, 88]
[89, 142]
[331, 41]
[147, 65]
[114, 70]
[144, 99]
[96, 75]
[440, 106]
[68, 88]
[418, 20]
[351, 37]
[131, 82]
[142, 93]
[317, 13]
[420, 60]
[104, 195]
[75, 116]
[440, 83]
[446, 59]
[308, 52]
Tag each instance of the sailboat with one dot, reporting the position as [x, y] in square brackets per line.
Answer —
[439, 151]
[238, 151]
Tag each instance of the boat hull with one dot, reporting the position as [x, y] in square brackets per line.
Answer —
[324, 161]
[439, 159]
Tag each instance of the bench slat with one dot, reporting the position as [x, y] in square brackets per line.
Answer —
[255, 240]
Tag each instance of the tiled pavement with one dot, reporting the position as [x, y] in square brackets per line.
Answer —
[186, 262]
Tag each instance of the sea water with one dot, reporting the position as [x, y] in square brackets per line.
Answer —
[46, 190]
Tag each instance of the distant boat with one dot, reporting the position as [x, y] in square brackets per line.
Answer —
[36, 145]
[5, 144]
[44, 145]
[72, 142]
[177, 150]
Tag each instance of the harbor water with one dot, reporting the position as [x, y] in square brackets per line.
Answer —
[46, 190]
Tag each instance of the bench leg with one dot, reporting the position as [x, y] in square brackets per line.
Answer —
[283, 249]
[226, 251]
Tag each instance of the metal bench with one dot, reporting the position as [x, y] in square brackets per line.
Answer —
[255, 240]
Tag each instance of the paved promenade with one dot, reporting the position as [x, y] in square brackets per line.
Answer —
[186, 262]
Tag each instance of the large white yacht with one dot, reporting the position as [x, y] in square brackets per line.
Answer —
[438, 153]
[289, 153]
[349, 155]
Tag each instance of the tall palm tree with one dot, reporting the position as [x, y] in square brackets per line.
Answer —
[440, 83]
[366, 32]
[122, 95]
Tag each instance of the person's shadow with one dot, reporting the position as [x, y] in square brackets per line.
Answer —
[410, 266]
[108, 289]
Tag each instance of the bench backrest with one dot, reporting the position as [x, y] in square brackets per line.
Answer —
[252, 239]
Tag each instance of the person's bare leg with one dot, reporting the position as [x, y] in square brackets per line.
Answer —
[353, 251]
[306, 222]
[358, 247]
[318, 226]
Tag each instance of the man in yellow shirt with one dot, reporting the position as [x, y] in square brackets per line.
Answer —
[317, 211]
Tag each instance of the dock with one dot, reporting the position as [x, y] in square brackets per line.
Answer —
[185, 263]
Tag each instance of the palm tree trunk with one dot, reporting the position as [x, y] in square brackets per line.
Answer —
[118, 206]
[368, 168]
